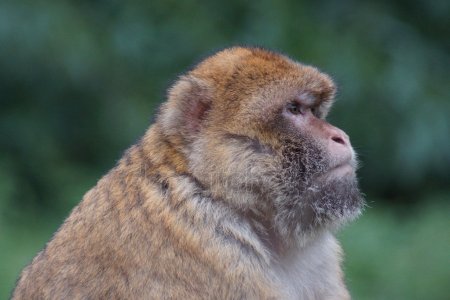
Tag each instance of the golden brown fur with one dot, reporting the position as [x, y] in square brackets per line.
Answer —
[191, 211]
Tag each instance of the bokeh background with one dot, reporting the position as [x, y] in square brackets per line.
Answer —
[81, 80]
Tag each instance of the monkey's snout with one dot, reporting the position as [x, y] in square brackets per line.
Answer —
[338, 140]
[339, 136]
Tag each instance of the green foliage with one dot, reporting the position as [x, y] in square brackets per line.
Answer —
[400, 254]
[80, 81]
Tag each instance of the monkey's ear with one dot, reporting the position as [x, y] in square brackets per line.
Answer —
[184, 113]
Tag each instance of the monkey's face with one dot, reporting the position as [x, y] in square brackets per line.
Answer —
[262, 144]
[317, 186]
[312, 177]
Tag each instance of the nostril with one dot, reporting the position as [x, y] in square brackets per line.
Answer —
[338, 140]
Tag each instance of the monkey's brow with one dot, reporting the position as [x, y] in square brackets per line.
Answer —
[308, 99]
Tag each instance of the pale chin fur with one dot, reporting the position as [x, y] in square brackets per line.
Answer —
[319, 208]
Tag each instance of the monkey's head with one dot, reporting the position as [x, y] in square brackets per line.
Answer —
[251, 126]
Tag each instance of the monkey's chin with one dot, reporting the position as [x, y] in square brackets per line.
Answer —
[338, 200]
[332, 202]
[322, 205]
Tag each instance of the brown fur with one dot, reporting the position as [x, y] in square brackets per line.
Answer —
[196, 209]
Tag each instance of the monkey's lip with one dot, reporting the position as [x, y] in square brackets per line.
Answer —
[343, 169]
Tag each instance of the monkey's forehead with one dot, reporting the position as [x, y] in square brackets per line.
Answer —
[248, 70]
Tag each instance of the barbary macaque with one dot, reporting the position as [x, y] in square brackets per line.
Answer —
[233, 193]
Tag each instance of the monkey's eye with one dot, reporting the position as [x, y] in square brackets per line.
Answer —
[295, 108]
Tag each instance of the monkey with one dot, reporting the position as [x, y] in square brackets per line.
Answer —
[235, 192]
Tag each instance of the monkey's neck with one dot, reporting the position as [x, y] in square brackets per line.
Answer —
[264, 229]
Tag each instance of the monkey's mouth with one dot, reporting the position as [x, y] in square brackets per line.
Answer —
[342, 169]
[339, 171]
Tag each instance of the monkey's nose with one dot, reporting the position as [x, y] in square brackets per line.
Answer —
[340, 137]
[338, 140]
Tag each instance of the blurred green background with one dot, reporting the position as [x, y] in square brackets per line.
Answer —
[81, 80]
